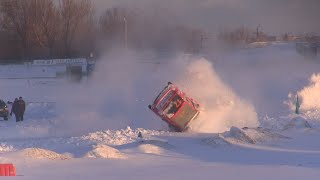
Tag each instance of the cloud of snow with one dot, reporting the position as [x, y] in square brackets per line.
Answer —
[118, 93]
[222, 108]
[116, 96]
[309, 100]
[310, 95]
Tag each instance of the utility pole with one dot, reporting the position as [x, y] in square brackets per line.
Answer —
[125, 33]
[202, 38]
[258, 33]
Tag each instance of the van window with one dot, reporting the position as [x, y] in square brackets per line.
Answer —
[173, 106]
[165, 100]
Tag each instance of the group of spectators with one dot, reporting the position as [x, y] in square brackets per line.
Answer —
[18, 108]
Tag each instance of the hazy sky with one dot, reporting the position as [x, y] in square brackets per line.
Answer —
[274, 15]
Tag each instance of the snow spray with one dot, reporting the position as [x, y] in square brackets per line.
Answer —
[222, 108]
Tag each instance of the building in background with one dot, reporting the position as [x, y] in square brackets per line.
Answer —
[73, 69]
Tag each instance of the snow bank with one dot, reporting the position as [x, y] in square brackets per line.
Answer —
[152, 145]
[5, 148]
[251, 135]
[290, 121]
[38, 153]
[119, 137]
[261, 135]
[214, 141]
[222, 107]
[297, 123]
[106, 152]
[237, 135]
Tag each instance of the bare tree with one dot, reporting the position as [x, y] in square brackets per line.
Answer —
[237, 36]
[73, 13]
[111, 20]
[114, 25]
[45, 24]
[16, 19]
[86, 37]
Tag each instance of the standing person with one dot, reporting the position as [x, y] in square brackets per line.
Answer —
[14, 109]
[21, 107]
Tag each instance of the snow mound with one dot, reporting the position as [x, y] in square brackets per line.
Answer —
[262, 135]
[5, 148]
[38, 153]
[251, 135]
[154, 146]
[214, 141]
[313, 117]
[151, 149]
[106, 152]
[119, 137]
[298, 123]
[238, 136]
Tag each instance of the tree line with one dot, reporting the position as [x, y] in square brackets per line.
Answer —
[46, 29]
[43, 29]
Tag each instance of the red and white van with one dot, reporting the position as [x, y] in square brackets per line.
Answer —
[175, 107]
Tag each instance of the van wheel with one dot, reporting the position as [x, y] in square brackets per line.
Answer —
[173, 128]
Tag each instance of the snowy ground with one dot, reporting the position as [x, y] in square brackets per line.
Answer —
[90, 130]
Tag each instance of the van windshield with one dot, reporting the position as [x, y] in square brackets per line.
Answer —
[173, 106]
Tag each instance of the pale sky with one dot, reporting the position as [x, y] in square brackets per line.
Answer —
[275, 16]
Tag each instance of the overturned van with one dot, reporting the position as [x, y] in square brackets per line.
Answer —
[175, 107]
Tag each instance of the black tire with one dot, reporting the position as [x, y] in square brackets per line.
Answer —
[173, 128]
[5, 118]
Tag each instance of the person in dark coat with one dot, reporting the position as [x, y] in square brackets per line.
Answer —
[21, 107]
[14, 109]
